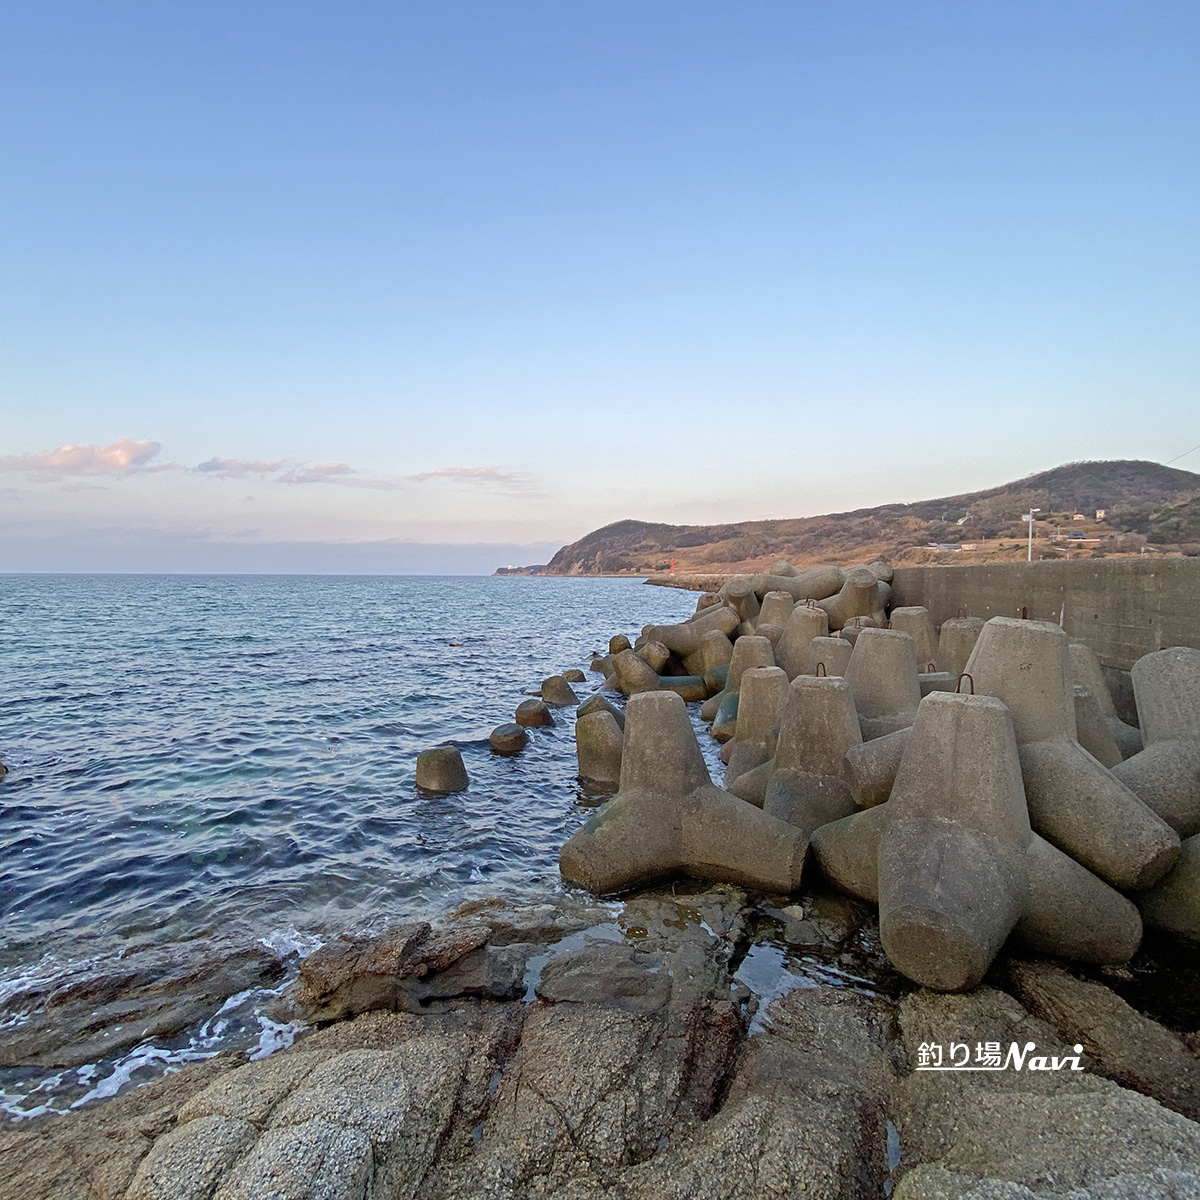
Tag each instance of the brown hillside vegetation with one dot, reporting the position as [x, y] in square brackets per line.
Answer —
[1144, 502]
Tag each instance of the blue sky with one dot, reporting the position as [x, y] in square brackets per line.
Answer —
[439, 286]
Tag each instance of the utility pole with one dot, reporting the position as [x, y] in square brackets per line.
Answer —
[1029, 517]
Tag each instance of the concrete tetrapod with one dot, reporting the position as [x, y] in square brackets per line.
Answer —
[1068, 912]
[507, 740]
[598, 744]
[684, 639]
[557, 691]
[441, 770]
[1166, 777]
[1174, 903]
[1071, 913]
[634, 674]
[760, 704]
[813, 583]
[654, 654]
[882, 674]
[716, 650]
[955, 642]
[827, 655]
[953, 873]
[847, 851]
[533, 713]
[804, 623]
[1026, 664]
[771, 632]
[1166, 686]
[748, 652]
[1086, 673]
[743, 599]
[1073, 801]
[858, 597]
[598, 703]
[918, 624]
[776, 608]
[819, 724]
[936, 681]
[668, 818]
[1087, 811]
[870, 768]
[1092, 731]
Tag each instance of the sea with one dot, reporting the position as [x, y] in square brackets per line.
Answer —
[210, 761]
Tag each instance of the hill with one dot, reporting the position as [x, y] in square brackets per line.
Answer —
[1142, 500]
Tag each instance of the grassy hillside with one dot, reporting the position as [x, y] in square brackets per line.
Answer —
[1145, 498]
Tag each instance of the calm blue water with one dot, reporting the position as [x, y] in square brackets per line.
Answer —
[194, 755]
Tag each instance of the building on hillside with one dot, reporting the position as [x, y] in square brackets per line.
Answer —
[1101, 514]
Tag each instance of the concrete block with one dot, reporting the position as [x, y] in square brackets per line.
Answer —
[532, 713]
[847, 851]
[1071, 913]
[1167, 687]
[507, 740]
[956, 641]
[760, 705]
[668, 818]
[953, 874]
[1026, 664]
[1086, 672]
[870, 768]
[634, 674]
[1087, 812]
[830, 655]
[1166, 778]
[882, 674]
[441, 770]
[1092, 731]
[776, 608]
[598, 745]
[936, 681]
[914, 619]
[598, 703]
[805, 623]
[1174, 903]
[858, 597]
[558, 692]
[818, 726]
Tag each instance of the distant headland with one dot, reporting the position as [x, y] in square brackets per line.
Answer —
[1082, 509]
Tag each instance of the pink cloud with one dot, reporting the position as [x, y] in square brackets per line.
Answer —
[117, 458]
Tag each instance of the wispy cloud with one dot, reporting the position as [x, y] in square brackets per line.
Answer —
[131, 456]
[117, 458]
[327, 472]
[515, 481]
[276, 470]
[239, 468]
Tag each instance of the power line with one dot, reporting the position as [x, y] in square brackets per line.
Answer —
[1183, 455]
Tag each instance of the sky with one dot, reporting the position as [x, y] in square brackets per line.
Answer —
[438, 287]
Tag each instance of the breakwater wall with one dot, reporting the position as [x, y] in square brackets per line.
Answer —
[1122, 608]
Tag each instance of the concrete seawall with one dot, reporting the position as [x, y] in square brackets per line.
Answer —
[1122, 608]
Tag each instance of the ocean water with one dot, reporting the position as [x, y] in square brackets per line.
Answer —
[196, 758]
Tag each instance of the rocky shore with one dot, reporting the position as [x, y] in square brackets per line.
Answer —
[691, 1041]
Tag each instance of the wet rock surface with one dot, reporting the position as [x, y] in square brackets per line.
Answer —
[148, 994]
[687, 1041]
